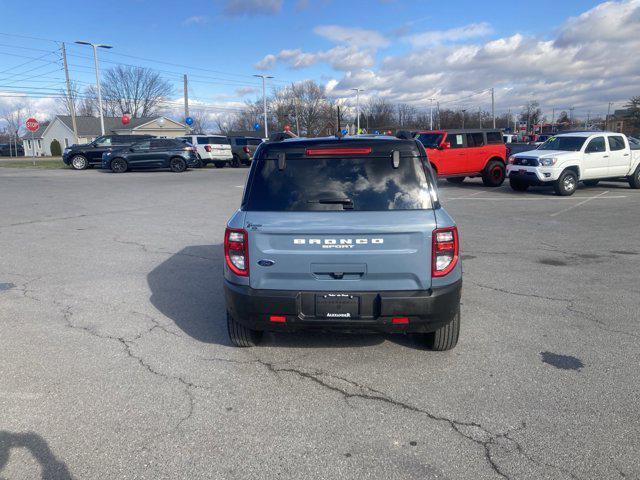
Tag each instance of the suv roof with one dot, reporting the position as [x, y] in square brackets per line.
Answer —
[380, 146]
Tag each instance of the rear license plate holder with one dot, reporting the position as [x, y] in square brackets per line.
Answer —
[337, 306]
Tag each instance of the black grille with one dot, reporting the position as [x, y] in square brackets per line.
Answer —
[527, 162]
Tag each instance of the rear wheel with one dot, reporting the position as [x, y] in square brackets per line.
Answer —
[177, 165]
[219, 164]
[567, 183]
[455, 179]
[445, 338]
[634, 180]
[518, 185]
[235, 163]
[199, 162]
[119, 165]
[242, 336]
[493, 174]
[591, 183]
[79, 162]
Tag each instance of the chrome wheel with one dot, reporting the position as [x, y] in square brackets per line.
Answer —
[569, 183]
[79, 162]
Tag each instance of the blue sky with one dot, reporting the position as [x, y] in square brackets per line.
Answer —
[377, 44]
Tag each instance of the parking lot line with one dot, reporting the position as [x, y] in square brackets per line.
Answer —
[579, 204]
[530, 199]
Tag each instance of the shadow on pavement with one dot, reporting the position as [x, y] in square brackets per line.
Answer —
[52, 468]
[187, 288]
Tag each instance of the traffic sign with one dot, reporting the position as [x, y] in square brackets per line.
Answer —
[32, 124]
[188, 121]
[256, 126]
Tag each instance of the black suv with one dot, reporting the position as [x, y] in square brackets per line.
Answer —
[153, 153]
[9, 150]
[86, 155]
[243, 149]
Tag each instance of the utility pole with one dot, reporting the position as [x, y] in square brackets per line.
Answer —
[295, 108]
[606, 123]
[553, 120]
[586, 123]
[480, 117]
[339, 126]
[438, 113]
[571, 109]
[264, 102]
[464, 112]
[96, 46]
[431, 113]
[358, 90]
[493, 106]
[186, 96]
[72, 106]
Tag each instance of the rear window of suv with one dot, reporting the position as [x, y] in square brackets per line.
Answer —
[213, 141]
[335, 184]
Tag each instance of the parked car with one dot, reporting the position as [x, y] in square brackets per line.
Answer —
[509, 138]
[87, 155]
[211, 149]
[566, 159]
[153, 153]
[342, 234]
[243, 149]
[11, 150]
[457, 154]
[540, 139]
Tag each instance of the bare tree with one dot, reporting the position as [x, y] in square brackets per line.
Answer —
[134, 90]
[15, 117]
[200, 121]
[379, 114]
[406, 115]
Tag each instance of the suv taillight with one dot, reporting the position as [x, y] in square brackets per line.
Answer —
[445, 251]
[245, 149]
[207, 148]
[236, 251]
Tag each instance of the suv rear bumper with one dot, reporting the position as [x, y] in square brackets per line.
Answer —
[426, 310]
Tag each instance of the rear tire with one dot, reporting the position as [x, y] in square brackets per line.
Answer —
[200, 163]
[493, 174]
[219, 164]
[591, 183]
[119, 165]
[567, 184]
[634, 180]
[242, 336]
[518, 186]
[456, 180]
[445, 338]
[235, 163]
[177, 164]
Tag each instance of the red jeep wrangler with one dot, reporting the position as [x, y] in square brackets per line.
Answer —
[456, 154]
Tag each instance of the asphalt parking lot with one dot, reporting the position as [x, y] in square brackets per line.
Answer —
[115, 361]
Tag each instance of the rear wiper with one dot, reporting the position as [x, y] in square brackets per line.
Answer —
[347, 203]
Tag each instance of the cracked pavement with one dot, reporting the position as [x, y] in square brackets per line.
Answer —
[115, 361]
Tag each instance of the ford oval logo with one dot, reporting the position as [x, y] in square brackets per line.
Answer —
[266, 263]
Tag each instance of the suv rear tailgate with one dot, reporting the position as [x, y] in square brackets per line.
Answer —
[340, 251]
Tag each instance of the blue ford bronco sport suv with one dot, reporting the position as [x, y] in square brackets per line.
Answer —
[342, 233]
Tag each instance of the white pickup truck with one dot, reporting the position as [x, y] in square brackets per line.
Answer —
[566, 159]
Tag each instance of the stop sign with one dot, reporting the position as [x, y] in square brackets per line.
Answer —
[32, 124]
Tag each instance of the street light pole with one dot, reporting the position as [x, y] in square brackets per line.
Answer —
[431, 100]
[264, 102]
[463, 115]
[358, 90]
[96, 46]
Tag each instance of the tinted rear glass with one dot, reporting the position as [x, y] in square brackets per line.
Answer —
[494, 137]
[241, 142]
[213, 141]
[330, 184]
[254, 141]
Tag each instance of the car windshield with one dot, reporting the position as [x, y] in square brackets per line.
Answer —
[430, 140]
[566, 144]
[361, 184]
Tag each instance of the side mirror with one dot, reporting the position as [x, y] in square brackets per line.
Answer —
[445, 145]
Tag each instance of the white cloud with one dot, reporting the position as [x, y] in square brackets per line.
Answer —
[195, 20]
[353, 36]
[242, 91]
[252, 7]
[587, 63]
[340, 58]
[434, 37]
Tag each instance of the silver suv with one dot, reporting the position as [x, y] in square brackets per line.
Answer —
[342, 234]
